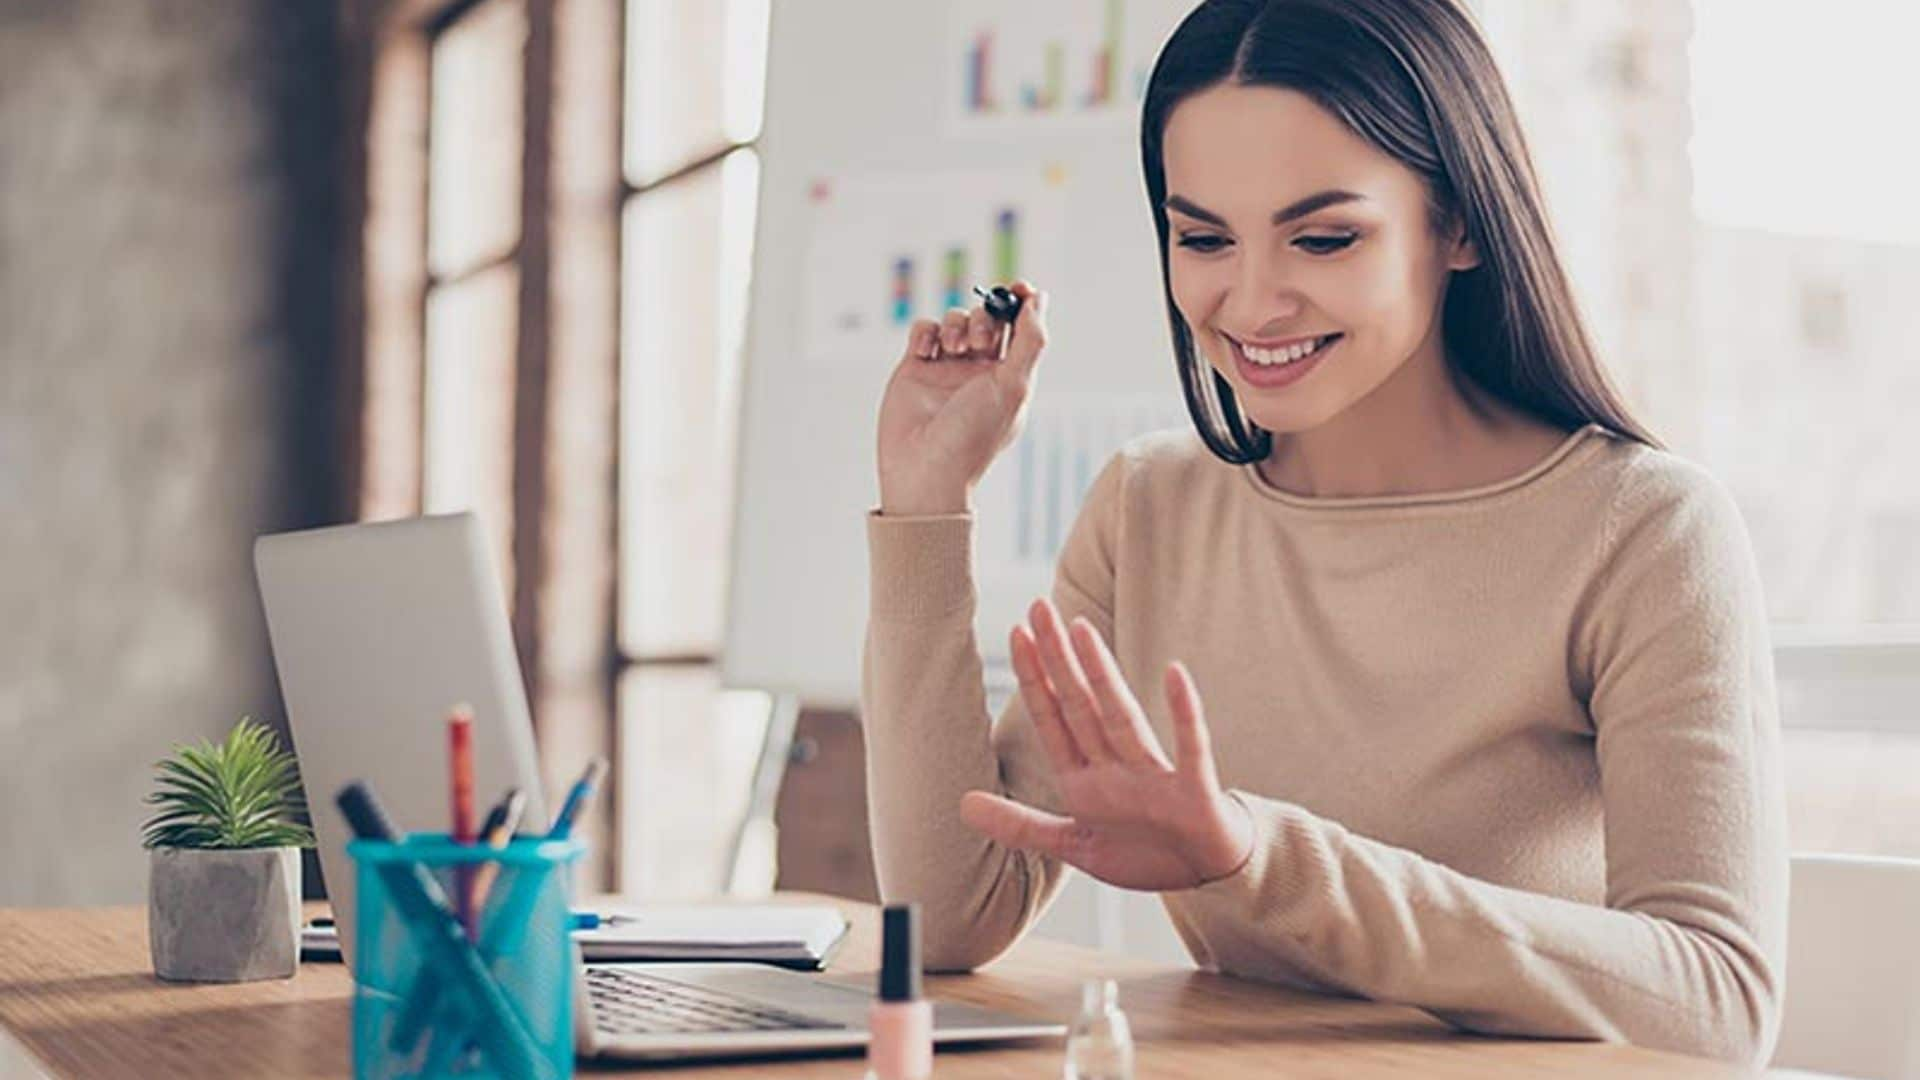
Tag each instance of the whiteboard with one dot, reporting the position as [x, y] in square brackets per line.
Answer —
[911, 151]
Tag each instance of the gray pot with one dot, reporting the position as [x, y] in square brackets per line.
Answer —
[224, 916]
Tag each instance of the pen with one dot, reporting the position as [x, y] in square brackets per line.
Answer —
[593, 920]
[495, 833]
[460, 762]
[577, 797]
[503, 818]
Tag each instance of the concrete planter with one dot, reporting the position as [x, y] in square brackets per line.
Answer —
[224, 916]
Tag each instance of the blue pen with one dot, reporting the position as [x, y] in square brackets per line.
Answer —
[576, 798]
[593, 920]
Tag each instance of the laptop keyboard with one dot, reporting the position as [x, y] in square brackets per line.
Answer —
[635, 1003]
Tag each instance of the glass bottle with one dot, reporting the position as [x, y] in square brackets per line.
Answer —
[1099, 1044]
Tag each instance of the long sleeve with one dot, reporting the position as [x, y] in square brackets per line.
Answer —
[928, 736]
[1688, 952]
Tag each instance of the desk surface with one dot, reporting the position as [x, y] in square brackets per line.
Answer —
[77, 991]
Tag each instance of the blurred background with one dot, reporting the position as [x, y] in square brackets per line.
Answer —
[268, 265]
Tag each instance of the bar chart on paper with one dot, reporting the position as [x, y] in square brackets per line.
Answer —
[886, 249]
[1011, 62]
[877, 211]
[957, 272]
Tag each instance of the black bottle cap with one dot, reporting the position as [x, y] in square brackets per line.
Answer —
[900, 953]
[1000, 302]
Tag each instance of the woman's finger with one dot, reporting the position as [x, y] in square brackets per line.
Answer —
[1070, 688]
[1126, 727]
[1020, 826]
[922, 339]
[983, 333]
[953, 331]
[1192, 742]
[1042, 708]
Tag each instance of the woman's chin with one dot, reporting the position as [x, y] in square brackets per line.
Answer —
[1280, 417]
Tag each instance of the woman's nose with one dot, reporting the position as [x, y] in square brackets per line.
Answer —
[1264, 296]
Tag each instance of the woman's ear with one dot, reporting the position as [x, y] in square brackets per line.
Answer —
[1461, 252]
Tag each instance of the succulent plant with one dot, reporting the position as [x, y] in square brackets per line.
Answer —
[241, 793]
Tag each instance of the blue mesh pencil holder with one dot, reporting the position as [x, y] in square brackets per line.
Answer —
[428, 1000]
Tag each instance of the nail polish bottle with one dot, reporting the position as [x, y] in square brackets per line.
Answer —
[1100, 1044]
[900, 1022]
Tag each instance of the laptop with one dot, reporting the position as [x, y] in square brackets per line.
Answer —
[376, 630]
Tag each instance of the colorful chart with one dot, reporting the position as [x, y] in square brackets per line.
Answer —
[888, 249]
[1013, 62]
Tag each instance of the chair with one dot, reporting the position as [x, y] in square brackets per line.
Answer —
[1852, 1001]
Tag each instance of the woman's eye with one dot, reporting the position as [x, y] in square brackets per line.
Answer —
[1313, 245]
[1202, 243]
[1324, 245]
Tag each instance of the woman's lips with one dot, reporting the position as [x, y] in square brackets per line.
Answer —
[1274, 376]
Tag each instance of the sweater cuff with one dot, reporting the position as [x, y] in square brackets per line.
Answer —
[919, 566]
[1278, 878]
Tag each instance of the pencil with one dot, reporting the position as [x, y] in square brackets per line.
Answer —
[496, 833]
[460, 761]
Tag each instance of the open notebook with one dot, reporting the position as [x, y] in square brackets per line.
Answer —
[793, 935]
[801, 936]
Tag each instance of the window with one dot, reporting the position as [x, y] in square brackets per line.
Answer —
[489, 285]
[1808, 260]
[687, 224]
[1807, 263]
[1746, 248]
[474, 150]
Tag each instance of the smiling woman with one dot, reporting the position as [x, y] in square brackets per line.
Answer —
[1412, 211]
[1424, 673]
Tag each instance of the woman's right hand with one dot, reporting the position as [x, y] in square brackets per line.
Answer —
[957, 398]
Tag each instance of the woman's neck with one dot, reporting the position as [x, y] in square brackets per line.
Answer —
[1423, 430]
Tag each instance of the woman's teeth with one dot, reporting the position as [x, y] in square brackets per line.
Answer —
[1288, 355]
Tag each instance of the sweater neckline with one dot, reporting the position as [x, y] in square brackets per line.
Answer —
[1533, 474]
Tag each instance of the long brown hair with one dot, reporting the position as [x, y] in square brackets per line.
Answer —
[1415, 79]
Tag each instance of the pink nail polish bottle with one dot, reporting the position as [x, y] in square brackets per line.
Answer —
[900, 1022]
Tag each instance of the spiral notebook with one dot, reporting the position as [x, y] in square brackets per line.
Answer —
[802, 936]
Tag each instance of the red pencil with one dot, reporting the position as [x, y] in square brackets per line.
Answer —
[460, 758]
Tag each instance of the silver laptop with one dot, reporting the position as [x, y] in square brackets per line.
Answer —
[376, 630]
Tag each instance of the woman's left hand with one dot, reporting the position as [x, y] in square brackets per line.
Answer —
[1134, 819]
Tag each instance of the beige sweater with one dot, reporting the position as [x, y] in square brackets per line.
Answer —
[1512, 752]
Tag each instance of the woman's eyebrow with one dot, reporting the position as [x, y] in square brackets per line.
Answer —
[1317, 201]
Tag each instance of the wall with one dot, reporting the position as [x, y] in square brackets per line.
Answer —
[167, 240]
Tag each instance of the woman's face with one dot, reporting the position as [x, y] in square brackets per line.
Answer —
[1286, 228]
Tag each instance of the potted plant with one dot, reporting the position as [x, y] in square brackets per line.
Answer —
[223, 889]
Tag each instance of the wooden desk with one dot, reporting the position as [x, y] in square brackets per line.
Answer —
[77, 991]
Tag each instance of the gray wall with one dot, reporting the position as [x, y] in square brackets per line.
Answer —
[167, 234]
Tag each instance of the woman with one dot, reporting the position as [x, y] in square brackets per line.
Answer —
[1489, 723]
